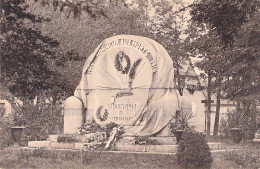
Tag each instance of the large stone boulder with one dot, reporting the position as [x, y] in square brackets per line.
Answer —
[129, 80]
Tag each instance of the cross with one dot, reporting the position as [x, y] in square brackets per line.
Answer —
[206, 101]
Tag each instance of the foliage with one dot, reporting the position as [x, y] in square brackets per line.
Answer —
[5, 132]
[39, 121]
[66, 139]
[193, 150]
[243, 158]
[2, 111]
[237, 119]
[242, 63]
[78, 37]
[76, 8]
[109, 127]
[181, 120]
[24, 51]
[166, 27]
[224, 17]
[224, 128]
[43, 121]
[87, 32]
[97, 135]
[229, 46]
[145, 140]
[230, 49]
[95, 141]
[41, 158]
[90, 127]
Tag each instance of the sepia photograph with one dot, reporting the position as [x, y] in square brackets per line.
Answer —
[136, 84]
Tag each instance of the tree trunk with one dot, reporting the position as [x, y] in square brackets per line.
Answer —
[179, 85]
[54, 97]
[216, 124]
[253, 127]
[209, 103]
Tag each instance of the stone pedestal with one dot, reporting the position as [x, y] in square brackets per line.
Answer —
[73, 115]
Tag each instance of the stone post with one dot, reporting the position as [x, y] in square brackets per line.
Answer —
[73, 115]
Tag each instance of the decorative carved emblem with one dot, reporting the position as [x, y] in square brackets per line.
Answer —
[122, 62]
[124, 66]
[132, 72]
[103, 116]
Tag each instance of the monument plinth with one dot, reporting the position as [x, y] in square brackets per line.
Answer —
[128, 80]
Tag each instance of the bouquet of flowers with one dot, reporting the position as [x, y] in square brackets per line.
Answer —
[97, 136]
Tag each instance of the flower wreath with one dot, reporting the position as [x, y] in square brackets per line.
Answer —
[118, 62]
[98, 114]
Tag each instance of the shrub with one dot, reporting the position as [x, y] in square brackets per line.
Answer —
[238, 119]
[181, 120]
[5, 132]
[246, 158]
[41, 121]
[141, 140]
[2, 111]
[67, 139]
[224, 128]
[193, 150]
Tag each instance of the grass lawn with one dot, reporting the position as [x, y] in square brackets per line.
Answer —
[248, 157]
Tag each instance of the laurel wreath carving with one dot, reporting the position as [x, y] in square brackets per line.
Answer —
[118, 62]
[132, 72]
[102, 117]
[119, 67]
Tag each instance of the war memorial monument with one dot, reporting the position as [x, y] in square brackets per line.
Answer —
[128, 81]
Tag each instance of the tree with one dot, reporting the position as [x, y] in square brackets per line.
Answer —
[234, 71]
[211, 52]
[24, 51]
[224, 17]
[79, 36]
[167, 27]
[53, 69]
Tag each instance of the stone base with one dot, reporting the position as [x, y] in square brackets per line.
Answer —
[126, 144]
[145, 148]
[55, 145]
[119, 146]
[39, 144]
[160, 140]
[216, 146]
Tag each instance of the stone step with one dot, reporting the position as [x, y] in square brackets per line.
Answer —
[160, 140]
[118, 146]
[39, 144]
[216, 146]
[159, 148]
[55, 145]
[145, 148]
